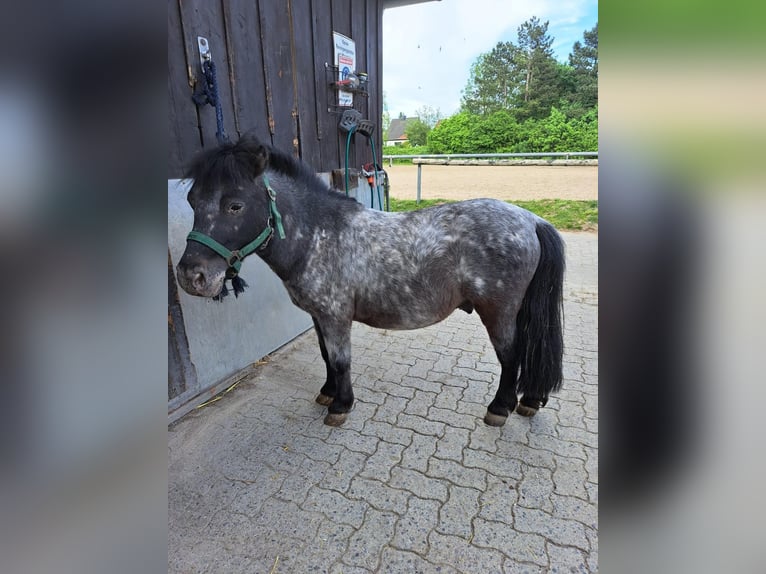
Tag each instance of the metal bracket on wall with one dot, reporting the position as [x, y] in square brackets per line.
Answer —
[204, 50]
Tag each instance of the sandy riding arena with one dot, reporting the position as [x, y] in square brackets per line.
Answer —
[500, 182]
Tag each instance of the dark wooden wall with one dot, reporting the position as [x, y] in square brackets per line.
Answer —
[270, 57]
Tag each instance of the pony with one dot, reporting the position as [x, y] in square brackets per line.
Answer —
[342, 262]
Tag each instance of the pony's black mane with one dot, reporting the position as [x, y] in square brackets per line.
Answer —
[239, 163]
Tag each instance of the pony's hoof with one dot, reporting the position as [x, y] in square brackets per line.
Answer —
[526, 411]
[323, 400]
[494, 420]
[335, 419]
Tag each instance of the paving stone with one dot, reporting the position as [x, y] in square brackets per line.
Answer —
[456, 514]
[461, 554]
[314, 448]
[339, 475]
[390, 388]
[327, 547]
[494, 465]
[558, 530]
[516, 545]
[287, 519]
[379, 465]
[354, 440]
[535, 488]
[379, 495]
[418, 484]
[557, 446]
[362, 413]
[421, 425]
[423, 384]
[335, 506]
[570, 477]
[396, 372]
[342, 568]
[451, 418]
[420, 403]
[497, 501]
[413, 526]
[448, 397]
[417, 454]
[398, 562]
[367, 542]
[388, 433]
[566, 560]
[484, 437]
[474, 410]
[372, 396]
[451, 445]
[513, 567]
[390, 409]
[573, 508]
[457, 473]
[420, 369]
[296, 485]
[592, 489]
[527, 455]
[477, 391]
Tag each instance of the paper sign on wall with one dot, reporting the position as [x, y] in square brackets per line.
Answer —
[345, 59]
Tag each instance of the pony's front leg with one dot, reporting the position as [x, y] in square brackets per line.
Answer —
[337, 347]
[327, 392]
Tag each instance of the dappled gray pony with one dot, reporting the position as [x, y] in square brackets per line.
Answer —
[342, 262]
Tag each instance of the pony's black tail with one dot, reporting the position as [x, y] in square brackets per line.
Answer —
[539, 338]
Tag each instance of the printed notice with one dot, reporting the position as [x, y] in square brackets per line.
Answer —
[345, 59]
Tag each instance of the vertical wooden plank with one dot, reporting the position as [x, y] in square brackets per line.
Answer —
[248, 85]
[374, 25]
[304, 78]
[378, 86]
[321, 15]
[205, 18]
[277, 64]
[182, 113]
[341, 22]
[362, 152]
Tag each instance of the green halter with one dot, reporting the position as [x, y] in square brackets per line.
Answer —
[234, 258]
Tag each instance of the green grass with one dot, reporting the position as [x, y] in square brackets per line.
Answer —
[565, 214]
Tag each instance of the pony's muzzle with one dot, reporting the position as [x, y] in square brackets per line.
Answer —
[196, 279]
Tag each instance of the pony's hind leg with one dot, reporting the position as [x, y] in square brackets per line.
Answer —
[327, 392]
[501, 333]
[528, 406]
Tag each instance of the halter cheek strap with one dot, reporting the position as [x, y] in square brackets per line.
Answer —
[234, 258]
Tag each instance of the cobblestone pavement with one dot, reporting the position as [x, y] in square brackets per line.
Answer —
[414, 481]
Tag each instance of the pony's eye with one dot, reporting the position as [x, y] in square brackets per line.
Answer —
[235, 207]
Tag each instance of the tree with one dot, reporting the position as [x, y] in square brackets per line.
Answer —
[584, 63]
[523, 78]
[493, 81]
[428, 115]
[386, 119]
[417, 131]
[540, 86]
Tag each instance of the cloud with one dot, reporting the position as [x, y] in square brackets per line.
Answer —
[428, 48]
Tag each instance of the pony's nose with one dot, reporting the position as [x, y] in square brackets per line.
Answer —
[198, 279]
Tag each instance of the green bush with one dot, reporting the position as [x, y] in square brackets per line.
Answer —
[499, 132]
[405, 149]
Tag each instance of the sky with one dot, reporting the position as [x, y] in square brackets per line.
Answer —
[428, 48]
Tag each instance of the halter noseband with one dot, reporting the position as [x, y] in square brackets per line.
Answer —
[234, 258]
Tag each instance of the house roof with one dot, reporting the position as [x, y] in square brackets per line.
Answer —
[398, 129]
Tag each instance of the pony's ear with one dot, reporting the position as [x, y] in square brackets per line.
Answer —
[257, 153]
